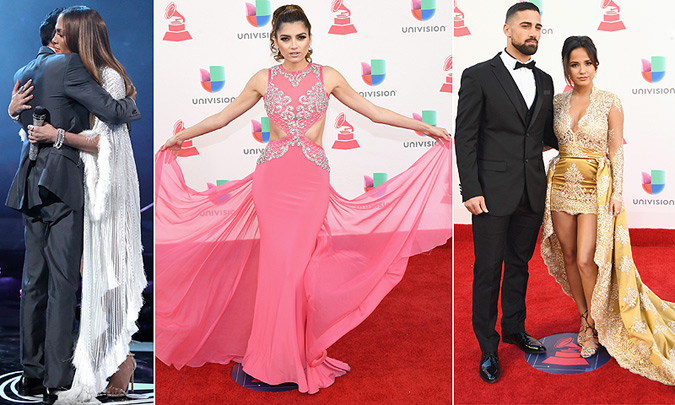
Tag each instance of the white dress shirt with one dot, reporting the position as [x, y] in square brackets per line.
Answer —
[523, 77]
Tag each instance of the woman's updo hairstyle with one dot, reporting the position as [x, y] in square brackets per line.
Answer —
[572, 43]
[289, 13]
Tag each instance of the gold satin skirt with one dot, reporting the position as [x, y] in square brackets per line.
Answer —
[573, 185]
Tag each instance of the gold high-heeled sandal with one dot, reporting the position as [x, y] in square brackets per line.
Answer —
[589, 345]
[118, 384]
[581, 336]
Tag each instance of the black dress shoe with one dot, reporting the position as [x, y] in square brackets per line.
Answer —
[30, 386]
[527, 343]
[489, 367]
[51, 395]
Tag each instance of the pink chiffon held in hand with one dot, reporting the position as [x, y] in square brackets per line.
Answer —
[271, 270]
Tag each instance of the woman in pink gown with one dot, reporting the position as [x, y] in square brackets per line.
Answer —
[291, 266]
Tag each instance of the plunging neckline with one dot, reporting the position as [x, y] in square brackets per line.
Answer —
[582, 116]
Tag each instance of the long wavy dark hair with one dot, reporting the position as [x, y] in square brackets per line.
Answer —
[87, 35]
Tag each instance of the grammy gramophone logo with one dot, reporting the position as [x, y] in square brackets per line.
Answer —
[447, 67]
[187, 149]
[345, 138]
[177, 31]
[567, 353]
[342, 24]
[611, 20]
[563, 356]
[458, 21]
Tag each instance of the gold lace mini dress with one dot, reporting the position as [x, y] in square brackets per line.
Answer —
[635, 325]
[573, 186]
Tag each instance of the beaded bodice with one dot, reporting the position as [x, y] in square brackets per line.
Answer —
[593, 136]
[295, 101]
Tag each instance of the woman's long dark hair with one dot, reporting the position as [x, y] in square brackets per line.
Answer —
[87, 35]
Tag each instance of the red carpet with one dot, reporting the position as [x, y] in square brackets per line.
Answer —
[400, 354]
[550, 311]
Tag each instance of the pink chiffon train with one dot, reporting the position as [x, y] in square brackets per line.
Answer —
[272, 269]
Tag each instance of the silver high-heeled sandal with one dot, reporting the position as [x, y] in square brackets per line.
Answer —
[118, 385]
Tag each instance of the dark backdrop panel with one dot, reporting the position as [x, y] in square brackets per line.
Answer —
[130, 28]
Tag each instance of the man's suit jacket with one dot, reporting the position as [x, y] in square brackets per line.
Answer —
[66, 89]
[499, 153]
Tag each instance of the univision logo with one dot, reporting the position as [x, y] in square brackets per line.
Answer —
[259, 14]
[654, 182]
[217, 197]
[423, 10]
[370, 183]
[428, 116]
[261, 129]
[655, 70]
[374, 74]
[213, 80]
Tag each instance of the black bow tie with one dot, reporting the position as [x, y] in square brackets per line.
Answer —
[529, 65]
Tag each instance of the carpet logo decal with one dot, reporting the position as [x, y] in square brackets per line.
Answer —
[563, 356]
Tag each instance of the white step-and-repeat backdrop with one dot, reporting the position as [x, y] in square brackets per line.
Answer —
[395, 53]
[636, 49]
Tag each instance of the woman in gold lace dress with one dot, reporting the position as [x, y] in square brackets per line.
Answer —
[585, 241]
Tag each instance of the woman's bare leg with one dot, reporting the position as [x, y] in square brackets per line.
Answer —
[565, 228]
[586, 234]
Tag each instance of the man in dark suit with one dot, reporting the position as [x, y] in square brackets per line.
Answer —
[504, 116]
[49, 192]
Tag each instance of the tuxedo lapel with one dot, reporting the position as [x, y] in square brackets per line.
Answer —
[539, 100]
[509, 86]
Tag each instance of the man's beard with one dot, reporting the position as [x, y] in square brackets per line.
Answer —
[526, 49]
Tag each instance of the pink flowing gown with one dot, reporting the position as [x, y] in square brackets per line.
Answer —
[272, 269]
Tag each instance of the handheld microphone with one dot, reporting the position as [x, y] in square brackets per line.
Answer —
[39, 116]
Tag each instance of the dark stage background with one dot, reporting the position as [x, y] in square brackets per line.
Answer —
[130, 28]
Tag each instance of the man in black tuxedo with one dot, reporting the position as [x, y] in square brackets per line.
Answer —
[504, 117]
[49, 192]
